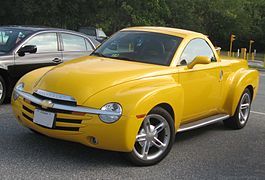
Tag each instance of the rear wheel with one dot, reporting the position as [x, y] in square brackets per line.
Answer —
[154, 139]
[240, 118]
[2, 90]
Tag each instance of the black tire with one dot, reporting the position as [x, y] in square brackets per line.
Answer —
[238, 121]
[169, 128]
[3, 89]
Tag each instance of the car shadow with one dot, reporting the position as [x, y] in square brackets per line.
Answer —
[43, 147]
[58, 150]
[187, 135]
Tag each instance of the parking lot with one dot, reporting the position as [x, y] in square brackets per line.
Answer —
[212, 152]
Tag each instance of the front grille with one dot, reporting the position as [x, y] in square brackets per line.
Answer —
[51, 109]
[57, 101]
[64, 120]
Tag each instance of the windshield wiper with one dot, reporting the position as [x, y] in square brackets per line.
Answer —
[98, 54]
[121, 58]
[113, 57]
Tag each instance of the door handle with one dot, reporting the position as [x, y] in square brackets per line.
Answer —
[221, 75]
[57, 60]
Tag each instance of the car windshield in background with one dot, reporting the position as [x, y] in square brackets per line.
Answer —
[10, 37]
[138, 46]
[88, 31]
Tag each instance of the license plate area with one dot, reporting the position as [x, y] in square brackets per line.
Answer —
[44, 118]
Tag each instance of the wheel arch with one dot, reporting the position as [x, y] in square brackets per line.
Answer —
[171, 99]
[168, 108]
[5, 76]
[251, 89]
[241, 80]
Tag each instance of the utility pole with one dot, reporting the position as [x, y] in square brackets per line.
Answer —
[250, 44]
[232, 39]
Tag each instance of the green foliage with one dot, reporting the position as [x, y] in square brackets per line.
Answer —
[216, 18]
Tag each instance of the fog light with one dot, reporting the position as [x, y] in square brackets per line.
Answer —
[93, 140]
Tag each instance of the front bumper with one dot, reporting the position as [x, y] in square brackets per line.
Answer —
[81, 127]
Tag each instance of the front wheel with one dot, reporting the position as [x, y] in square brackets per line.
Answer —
[240, 118]
[155, 138]
[2, 90]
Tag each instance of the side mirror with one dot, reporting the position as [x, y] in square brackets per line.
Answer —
[199, 60]
[27, 49]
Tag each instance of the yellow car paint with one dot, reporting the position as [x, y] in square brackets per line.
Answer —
[204, 90]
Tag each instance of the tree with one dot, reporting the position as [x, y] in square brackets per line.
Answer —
[216, 18]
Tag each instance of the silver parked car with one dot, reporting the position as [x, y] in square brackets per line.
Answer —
[23, 49]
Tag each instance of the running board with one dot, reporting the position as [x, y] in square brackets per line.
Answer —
[202, 122]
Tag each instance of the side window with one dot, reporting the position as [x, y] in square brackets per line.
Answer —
[196, 47]
[73, 43]
[3, 37]
[46, 42]
[89, 46]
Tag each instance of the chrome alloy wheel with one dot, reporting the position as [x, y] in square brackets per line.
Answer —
[244, 108]
[1, 90]
[153, 137]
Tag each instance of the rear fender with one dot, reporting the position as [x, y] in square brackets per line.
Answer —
[241, 80]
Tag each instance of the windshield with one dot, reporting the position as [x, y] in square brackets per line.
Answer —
[9, 38]
[101, 34]
[145, 47]
[88, 31]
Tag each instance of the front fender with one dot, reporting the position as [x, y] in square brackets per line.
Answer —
[171, 94]
[238, 83]
[138, 98]
[31, 78]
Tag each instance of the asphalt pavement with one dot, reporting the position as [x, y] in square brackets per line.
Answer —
[212, 152]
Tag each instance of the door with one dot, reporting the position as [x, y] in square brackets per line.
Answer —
[75, 46]
[201, 84]
[47, 54]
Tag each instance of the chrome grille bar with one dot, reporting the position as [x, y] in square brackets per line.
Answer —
[54, 95]
[81, 109]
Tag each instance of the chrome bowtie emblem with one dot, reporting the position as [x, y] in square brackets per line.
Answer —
[46, 104]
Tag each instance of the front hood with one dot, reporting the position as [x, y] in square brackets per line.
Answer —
[83, 77]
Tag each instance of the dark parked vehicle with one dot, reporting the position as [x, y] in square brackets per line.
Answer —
[23, 49]
[97, 33]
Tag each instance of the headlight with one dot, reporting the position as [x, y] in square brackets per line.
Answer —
[19, 87]
[111, 107]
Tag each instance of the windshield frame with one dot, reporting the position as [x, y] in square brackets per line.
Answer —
[103, 46]
[27, 32]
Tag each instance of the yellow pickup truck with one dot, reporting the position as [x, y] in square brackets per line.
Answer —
[136, 91]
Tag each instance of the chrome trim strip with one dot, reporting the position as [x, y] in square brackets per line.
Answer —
[52, 31]
[65, 107]
[203, 122]
[54, 95]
